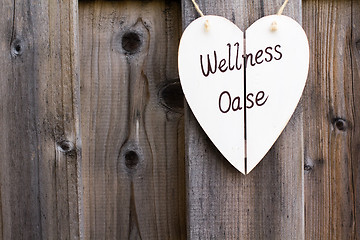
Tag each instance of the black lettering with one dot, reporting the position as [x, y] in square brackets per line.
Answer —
[225, 92]
[268, 53]
[249, 100]
[209, 65]
[260, 96]
[221, 65]
[280, 54]
[258, 55]
[246, 57]
[238, 107]
[230, 67]
[237, 56]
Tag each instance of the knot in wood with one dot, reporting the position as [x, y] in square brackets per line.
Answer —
[131, 42]
[66, 147]
[16, 48]
[131, 159]
[307, 167]
[131, 156]
[340, 124]
[171, 96]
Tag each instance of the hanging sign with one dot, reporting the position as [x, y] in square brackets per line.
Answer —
[243, 87]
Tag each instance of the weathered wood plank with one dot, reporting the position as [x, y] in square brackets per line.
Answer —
[39, 121]
[132, 120]
[223, 203]
[355, 138]
[332, 135]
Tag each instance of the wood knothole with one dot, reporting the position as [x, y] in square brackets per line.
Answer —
[340, 124]
[131, 156]
[131, 159]
[308, 167]
[131, 42]
[310, 164]
[16, 48]
[66, 147]
[171, 96]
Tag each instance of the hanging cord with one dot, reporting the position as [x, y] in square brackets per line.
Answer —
[197, 8]
[274, 25]
[201, 14]
[282, 7]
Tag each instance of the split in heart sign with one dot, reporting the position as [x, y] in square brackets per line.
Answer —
[243, 87]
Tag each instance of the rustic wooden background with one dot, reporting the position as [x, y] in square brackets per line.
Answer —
[97, 143]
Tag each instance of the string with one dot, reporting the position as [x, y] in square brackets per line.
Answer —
[282, 7]
[201, 14]
[274, 25]
[197, 8]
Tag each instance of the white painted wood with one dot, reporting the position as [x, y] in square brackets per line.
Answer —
[279, 69]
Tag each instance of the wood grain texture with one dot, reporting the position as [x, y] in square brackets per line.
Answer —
[132, 120]
[39, 121]
[332, 117]
[355, 135]
[223, 203]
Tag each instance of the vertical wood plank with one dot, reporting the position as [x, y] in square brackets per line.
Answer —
[332, 118]
[132, 120]
[355, 138]
[223, 203]
[39, 123]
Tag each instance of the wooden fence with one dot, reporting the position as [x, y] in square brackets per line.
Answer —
[97, 143]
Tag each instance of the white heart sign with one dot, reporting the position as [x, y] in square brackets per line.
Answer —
[243, 86]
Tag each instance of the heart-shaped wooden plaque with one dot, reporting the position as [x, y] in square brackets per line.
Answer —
[243, 85]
